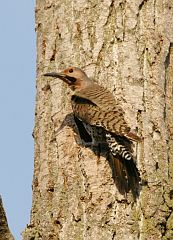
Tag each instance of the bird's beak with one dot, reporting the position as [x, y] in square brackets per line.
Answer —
[61, 76]
[67, 79]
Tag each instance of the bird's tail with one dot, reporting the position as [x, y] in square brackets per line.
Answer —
[124, 169]
[126, 175]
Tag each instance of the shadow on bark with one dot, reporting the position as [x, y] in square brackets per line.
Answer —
[124, 173]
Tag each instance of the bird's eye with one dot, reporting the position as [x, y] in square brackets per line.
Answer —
[70, 70]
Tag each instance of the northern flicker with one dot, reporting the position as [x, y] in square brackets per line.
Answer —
[100, 113]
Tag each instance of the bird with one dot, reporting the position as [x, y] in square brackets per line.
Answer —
[99, 115]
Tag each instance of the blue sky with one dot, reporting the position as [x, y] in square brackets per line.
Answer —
[17, 103]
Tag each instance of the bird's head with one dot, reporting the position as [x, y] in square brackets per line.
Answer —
[73, 76]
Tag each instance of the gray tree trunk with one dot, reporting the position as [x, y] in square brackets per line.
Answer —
[127, 46]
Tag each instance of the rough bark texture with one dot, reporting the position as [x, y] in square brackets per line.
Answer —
[127, 46]
[5, 233]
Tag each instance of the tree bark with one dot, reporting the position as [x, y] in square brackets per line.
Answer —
[126, 46]
[5, 233]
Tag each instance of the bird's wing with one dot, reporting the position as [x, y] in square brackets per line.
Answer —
[99, 96]
[98, 107]
[89, 112]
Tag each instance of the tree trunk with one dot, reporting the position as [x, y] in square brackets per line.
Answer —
[126, 46]
[5, 233]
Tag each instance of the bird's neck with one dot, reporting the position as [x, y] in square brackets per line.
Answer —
[82, 84]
